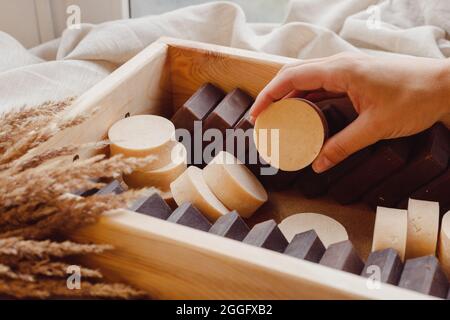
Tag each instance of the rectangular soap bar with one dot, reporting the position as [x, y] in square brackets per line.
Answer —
[190, 216]
[343, 256]
[198, 106]
[306, 246]
[113, 187]
[430, 158]
[384, 266]
[240, 142]
[335, 120]
[388, 157]
[153, 205]
[343, 105]
[267, 235]
[230, 226]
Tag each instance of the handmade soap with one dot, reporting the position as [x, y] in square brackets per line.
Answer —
[290, 133]
[142, 136]
[390, 231]
[113, 187]
[343, 105]
[335, 121]
[188, 215]
[430, 158]
[444, 243]
[329, 230]
[343, 256]
[234, 184]
[191, 187]
[197, 107]
[153, 205]
[424, 275]
[423, 228]
[267, 235]
[384, 266]
[230, 226]
[306, 246]
[388, 157]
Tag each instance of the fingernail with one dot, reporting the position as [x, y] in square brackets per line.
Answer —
[322, 164]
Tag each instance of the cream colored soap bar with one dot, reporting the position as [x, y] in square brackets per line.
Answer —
[391, 228]
[290, 133]
[190, 186]
[142, 136]
[423, 228]
[329, 230]
[234, 184]
[163, 177]
[444, 244]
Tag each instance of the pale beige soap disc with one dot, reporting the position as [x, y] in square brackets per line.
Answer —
[234, 184]
[328, 230]
[444, 244]
[290, 133]
[391, 228]
[142, 136]
[191, 187]
[160, 178]
[423, 228]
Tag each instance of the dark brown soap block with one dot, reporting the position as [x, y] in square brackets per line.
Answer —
[335, 120]
[426, 276]
[113, 187]
[313, 184]
[230, 226]
[343, 256]
[240, 142]
[267, 235]
[430, 158]
[306, 246]
[229, 111]
[198, 106]
[280, 180]
[188, 215]
[388, 157]
[389, 264]
[153, 205]
[343, 105]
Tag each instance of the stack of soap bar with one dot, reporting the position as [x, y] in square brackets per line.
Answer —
[342, 256]
[188, 215]
[197, 107]
[329, 230]
[391, 228]
[430, 159]
[384, 266]
[153, 205]
[267, 235]
[234, 185]
[424, 275]
[230, 226]
[444, 243]
[306, 246]
[388, 157]
[191, 187]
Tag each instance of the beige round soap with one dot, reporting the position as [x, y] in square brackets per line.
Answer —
[234, 184]
[328, 230]
[290, 133]
[391, 227]
[163, 177]
[191, 187]
[142, 136]
[444, 244]
[423, 228]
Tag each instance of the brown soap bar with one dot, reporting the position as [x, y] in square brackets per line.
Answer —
[230, 226]
[388, 157]
[426, 276]
[197, 107]
[153, 205]
[343, 105]
[335, 120]
[229, 111]
[314, 184]
[389, 264]
[188, 215]
[306, 246]
[114, 187]
[267, 235]
[280, 180]
[240, 141]
[430, 158]
[343, 256]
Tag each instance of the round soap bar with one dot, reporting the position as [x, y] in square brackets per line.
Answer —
[191, 187]
[302, 130]
[234, 184]
[391, 228]
[329, 230]
[142, 136]
[444, 244]
[163, 177]
[423, 228]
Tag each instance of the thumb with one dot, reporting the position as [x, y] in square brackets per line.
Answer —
[358, 135]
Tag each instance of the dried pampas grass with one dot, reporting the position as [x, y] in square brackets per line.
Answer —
[37, 206]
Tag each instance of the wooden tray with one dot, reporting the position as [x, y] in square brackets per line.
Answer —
[172, 261]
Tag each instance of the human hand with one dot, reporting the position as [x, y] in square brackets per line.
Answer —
[394, 97]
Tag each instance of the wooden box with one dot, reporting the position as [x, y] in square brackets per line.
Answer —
[171, 261]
